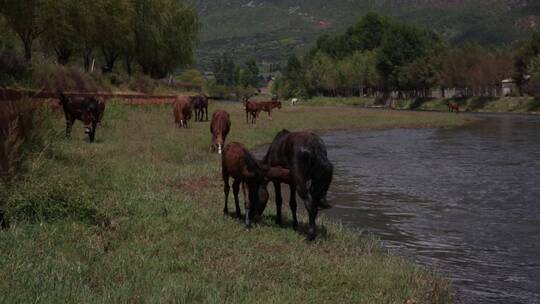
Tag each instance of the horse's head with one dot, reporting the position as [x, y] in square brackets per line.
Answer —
[90, 116]
[279, 104]
[320, 184]
[218, 142]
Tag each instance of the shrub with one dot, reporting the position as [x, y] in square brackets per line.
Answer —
[54, 77]
[23, 126]
[13, 69]
[143, 84]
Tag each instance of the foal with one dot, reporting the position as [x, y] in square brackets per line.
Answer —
[237, 162]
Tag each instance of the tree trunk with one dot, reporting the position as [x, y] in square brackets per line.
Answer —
[28, 50]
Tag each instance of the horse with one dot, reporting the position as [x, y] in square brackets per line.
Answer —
[304, 155]
[294, 101]
[453, 106]
[89, 110]
[182, 110]
[268, 106]
[200, 105]
[237, 162]
[219, 127]
[251, 110]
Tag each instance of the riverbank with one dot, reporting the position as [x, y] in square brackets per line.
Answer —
[474, 104]
[137, 217]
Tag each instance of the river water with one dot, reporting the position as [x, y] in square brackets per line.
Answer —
[465, 201]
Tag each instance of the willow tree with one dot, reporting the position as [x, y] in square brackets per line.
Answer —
[59, 35]
[166, 33]
[114, 19]
[22, 16]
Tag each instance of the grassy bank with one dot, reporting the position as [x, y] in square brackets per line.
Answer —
[137, 217]
[475, 104]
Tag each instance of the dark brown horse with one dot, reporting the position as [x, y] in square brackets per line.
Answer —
[220, 127]
[238, 163]
[304, 154]
[200, 105]
[182, 110]
[453, 106]
[89, 110]
[268, 106]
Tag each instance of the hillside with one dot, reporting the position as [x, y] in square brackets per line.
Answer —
[273, 29]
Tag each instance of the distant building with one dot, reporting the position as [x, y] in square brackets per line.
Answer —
[508, 87]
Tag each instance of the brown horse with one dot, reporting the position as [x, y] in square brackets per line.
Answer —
[220, 127]
[200, 105]
[453, 106]
[89, 110]
[252, 110]
[268, 106]
[238, 163]
[182, 110]
[304, 154]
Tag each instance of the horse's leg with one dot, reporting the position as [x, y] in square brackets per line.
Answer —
[308, 203]
[279, 202]
[69, 125]
[252, 195]
[206, 111]
[236, 189]
[92, 134]
[293, 205]
[226, 189]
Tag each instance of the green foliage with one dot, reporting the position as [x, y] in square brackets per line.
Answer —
[194, 77]
[24, 19]
[165, 35]
[60, 18]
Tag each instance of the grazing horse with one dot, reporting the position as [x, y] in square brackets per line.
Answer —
[268, 106]
[200, 105]
[182, 110]
[453, 106]
[238, 163]
[304, 155]
[89, 110]
[294, 101]
[220, 127]
[251, 110]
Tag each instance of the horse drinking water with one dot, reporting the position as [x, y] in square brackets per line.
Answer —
[304, 155]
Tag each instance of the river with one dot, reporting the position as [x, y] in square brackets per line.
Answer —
[465, 201]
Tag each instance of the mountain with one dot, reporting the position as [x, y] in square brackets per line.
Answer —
[272, 30]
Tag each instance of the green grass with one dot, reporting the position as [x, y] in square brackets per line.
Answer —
[160, 236]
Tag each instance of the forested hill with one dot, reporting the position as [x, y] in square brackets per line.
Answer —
[270, 30]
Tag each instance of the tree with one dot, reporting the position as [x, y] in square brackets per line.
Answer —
[85, 29]
[23, 18]
[402, 45]
[60, 35]
[113, 25]
[251, 66]
[166, 32]
[523, 58]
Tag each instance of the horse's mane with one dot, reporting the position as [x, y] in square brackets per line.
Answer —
[255, 165]
[276, 143]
